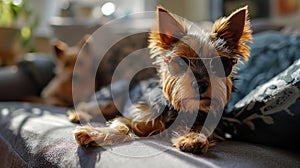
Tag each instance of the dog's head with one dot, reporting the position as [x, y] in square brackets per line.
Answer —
[196, 66]
[68, 77]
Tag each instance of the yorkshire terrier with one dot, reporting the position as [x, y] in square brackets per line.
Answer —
[195, 70]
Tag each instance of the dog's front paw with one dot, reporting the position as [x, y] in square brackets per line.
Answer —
[84, 136]
[192, 142]
[78, 116]
[103, 136]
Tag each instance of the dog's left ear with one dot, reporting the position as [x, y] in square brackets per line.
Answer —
[235, 30]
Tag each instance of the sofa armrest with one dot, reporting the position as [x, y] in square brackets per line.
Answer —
[27, 78]
[15, 84]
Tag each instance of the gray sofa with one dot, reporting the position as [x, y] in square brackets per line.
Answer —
[33, 135]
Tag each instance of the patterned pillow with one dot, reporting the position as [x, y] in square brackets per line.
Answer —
[271, 53]
[269, 114]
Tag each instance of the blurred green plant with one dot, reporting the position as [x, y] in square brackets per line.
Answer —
[16, 14]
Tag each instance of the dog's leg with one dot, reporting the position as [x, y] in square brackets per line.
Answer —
[102, 136]
[78, 116]
[105, 105]
[117, 132]
[142, 120]
[139, 128]
[87, 111]
[120, 129]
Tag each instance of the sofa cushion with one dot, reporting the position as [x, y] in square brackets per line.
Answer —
[271, 53]
[28, 78]
[270, 113]
[33, 135]
[10, 88]
[39, 67]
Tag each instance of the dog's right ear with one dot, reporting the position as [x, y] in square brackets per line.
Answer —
[59, 48]
[84, 41]
[168, 29]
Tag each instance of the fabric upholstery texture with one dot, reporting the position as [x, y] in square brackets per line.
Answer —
[271, 53]
[264, 107]
[34, 135]
[270, 113]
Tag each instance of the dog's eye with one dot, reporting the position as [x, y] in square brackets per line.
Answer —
[222, 66]
[178, 65]
[67, 64]
[182, 61]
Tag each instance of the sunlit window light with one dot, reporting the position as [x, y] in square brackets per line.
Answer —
[108, 8]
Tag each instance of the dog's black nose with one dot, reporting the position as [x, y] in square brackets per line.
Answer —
[200, 85]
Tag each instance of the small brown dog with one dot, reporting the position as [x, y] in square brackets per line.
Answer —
[195, 71]
[59, 91]
[71, 85]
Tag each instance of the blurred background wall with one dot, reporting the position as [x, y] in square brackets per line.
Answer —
[278, 11]
[87, 15]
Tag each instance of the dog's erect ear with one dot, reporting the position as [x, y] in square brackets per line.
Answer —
[59, 48]
[85, 44]
[235, 30]
[169, 27]
[83, 41]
